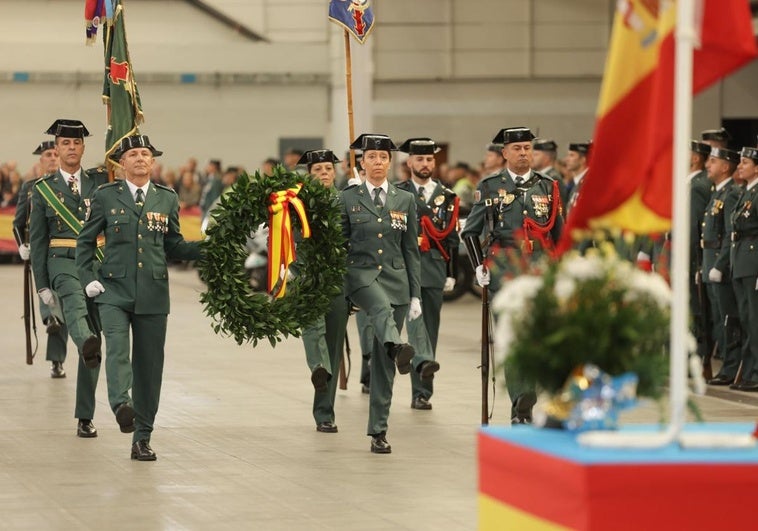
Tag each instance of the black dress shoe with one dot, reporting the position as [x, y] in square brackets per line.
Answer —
[402, 353]
[420, 403]
[86, 429]
[720, 379]
[141, 451]
[516, 421]
[56, 371]
[326, 427]
[521, 410]
[379, 444]
[53, 325]
[91, 352]
[427, 369]
[365, 389]
[748, 386]
[125, 418]
[319, 378]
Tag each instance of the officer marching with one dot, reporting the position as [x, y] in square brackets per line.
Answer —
[437, 212]
[60, 204]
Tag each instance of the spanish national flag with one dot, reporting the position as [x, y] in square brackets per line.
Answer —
[629, 183]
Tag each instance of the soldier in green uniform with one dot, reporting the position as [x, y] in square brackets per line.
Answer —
[518, 209]
[324, 339]
[379, 224]
[437, 212]
[577, 162]
[57, 336]
[716, 270]
[545, 151]
[60, 203]
[131, 289]
[744, 259]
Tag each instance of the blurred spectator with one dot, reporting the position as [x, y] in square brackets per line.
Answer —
[455, 174]
[465, 188]
[291, 157]
[267, 168]
[493, 159]
[156, 174]
[169, 179]
[213, 186]
[189, 191]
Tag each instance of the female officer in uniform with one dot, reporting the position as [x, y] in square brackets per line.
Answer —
[379, 224]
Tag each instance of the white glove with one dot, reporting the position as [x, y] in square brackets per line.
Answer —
[449, 284]
[756, 285]
[414, 312]
[354, 181]
[24, 251]
[482, 276]
[47, 296]
[714, 275]
[93, 289]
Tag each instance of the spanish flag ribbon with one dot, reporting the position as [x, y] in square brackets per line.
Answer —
[281, 244]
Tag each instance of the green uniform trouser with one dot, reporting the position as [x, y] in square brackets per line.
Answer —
[74, 310]
[323, 342]
[56, 343]
[144, 374]
[747, 302]
[366, 337]
[387, 320]
[724, 311]
[422, 334]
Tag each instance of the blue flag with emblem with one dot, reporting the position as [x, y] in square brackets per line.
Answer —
[355, 16]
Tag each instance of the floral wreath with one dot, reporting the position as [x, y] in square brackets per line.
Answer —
[236, 309]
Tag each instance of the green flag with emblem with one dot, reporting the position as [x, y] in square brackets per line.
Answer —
[120, 92]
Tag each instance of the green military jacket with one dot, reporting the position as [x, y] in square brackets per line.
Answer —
[137, 242]
[382, 244]
[21, 216]
[439, 209]
[501, 208]
[744, 251]
[700, 194]
[45, 224]
[714, 229]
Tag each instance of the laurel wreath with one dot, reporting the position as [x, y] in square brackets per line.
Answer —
[236, 309]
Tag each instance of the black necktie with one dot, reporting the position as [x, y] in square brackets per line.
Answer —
[378, 198]
[139, 200]
[421, 194]
[519, 181]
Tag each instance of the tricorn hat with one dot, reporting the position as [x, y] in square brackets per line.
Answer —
[544, 144]
[513, 134]
[373, 141]
[725, 154]
[700, 147]
[44, 146]
[495, 148]
[132, 142]
[318, 155]
[67, 129]
[580, 147]
[721, 135]
[750, 153]
[419, 146]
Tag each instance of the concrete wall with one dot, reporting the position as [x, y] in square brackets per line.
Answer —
[456, 70]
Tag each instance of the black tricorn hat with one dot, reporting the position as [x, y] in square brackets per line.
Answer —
[750, 153]
[369, 141]
[544, 144]
[44, 146]
[721, 135]
[725, 154]
[580, 147]
[132, 142]
[419, 146]
[700, 147]
[495, 148]
[318, 155]
[67, 129]
[513, 134]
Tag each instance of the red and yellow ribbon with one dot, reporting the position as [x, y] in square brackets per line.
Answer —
[281, 244]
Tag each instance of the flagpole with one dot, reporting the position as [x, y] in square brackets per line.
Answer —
[680, 268]
[349, 89]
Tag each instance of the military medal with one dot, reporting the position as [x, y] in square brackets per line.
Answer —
[149, 216]
[541, 205]
[113, 211]
[398, 220]
[717, 206]
[439, 200]
[509, 198]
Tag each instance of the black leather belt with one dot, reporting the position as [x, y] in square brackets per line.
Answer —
[710, 244]
[751, 235]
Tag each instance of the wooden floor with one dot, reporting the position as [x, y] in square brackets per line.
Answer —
[236, 442]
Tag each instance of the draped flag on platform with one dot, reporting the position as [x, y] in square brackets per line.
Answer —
[629, 183]
[120, 92]
[355, 16]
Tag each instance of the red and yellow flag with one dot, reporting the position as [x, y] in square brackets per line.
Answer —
[629, 182]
